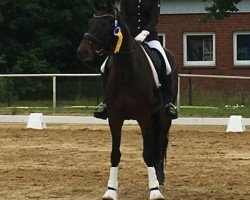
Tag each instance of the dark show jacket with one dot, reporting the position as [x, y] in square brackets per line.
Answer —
[141, 15]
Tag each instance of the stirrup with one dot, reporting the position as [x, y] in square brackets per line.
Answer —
[171, 111]
[101, 111]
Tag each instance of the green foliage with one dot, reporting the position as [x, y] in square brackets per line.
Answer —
[2, 59]
[220, 9]
[53, 27]
[38, 36]
[32, 61]
[2, 88]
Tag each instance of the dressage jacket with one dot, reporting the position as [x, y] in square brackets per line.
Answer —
[141, 15]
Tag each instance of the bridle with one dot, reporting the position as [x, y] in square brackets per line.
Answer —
[117, 32]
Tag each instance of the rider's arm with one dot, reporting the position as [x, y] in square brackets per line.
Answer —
[154, 14]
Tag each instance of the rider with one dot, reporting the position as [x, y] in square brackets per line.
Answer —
[142, 18]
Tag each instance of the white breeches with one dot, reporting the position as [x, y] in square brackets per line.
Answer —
[152, 44]
[157, 45]
[103, 65]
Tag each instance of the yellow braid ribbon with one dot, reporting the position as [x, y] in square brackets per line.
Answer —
[118, 33]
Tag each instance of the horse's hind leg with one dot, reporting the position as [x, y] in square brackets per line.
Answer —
[162, 144]
[149, 146]
[115, 127]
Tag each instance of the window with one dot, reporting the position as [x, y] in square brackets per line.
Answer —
[162, 39]
[241, 49]
[199, 49]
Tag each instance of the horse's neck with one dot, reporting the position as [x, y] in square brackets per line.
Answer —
[126, 58]
[127, 64]
[129, 43]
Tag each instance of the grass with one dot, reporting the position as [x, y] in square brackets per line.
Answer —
[200, 111]
[185, 111]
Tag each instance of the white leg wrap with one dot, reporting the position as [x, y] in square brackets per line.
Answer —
[153, 183]
[113, 181]
[111, 193]
[152, 179]
[155, 194]
[157, 45]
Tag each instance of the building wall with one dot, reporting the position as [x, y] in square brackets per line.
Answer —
[174, 26]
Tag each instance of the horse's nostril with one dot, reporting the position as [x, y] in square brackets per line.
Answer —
[81, 53]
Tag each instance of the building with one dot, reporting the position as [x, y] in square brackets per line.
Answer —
[217, 47]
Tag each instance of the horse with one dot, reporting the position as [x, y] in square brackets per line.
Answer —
[131, 93]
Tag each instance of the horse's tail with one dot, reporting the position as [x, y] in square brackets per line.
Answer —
[160, 131]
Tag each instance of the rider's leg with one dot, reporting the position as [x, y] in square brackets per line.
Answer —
[101, 110]
[167, 95]
[166, 81]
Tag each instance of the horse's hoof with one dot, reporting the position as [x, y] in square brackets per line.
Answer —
[156, 195]
[110, 195]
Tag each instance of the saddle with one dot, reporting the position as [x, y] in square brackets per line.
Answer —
[157, 59]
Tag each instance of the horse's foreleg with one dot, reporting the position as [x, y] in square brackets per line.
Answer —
[115, 127]
[148, 155]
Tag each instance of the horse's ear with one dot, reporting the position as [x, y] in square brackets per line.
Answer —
[96, 5]
[103, 5]
[109, 5]
[100, 4]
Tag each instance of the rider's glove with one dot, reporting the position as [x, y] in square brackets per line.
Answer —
[142, 36]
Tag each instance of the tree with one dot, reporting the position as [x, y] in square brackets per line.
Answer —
[38, 36]
[53, 28]
[220, 9]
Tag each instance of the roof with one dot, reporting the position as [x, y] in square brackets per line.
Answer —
[192, 6]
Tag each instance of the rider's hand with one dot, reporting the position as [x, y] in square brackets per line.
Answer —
[142, 36]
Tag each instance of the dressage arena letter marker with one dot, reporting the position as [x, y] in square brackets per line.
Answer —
[36, 121]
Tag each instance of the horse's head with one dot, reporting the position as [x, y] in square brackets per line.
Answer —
[102, 33]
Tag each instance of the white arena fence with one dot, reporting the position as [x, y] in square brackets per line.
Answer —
[213, 90]
[192, 87]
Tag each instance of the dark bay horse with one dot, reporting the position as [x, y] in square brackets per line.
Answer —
[131, 93]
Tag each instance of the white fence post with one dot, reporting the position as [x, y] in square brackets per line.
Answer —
[179, 94]
[54, 92]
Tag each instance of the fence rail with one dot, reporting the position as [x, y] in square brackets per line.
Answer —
[54, 76]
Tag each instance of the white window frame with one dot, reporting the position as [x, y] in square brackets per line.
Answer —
[187, 63]
[163, 35]
[239, 62]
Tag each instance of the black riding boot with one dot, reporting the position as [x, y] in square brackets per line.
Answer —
[101, 111]
[170, 108]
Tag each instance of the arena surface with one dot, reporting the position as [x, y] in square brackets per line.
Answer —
[72, 162]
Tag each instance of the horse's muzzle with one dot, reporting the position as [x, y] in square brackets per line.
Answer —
[82, 55]
[84, 51]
